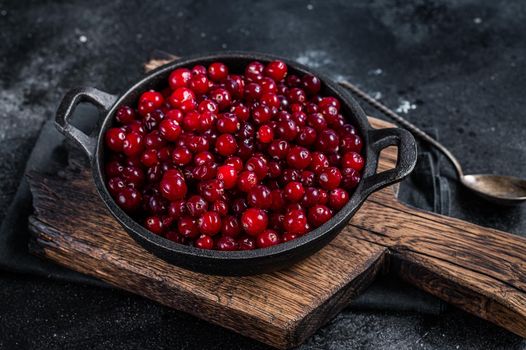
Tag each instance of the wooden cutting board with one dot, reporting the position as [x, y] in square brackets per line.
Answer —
[480, 270]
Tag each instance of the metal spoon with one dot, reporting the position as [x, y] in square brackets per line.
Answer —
[506, 190]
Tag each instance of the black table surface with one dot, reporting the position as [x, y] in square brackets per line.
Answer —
[458, 67]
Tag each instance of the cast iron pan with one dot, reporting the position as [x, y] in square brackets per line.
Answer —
[238, 262]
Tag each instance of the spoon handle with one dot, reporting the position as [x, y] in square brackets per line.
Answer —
[405, 123]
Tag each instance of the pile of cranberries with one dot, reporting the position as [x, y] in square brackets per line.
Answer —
[228, 161]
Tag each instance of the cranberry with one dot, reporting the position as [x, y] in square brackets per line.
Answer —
[330, 178]
[173, 186]
[177, 209]
[317, 121]
[351, 143]
[254, 71]
[181, 156]
[267, 238]
[170, 130]
[222, 97]
[254, 221]
[261, 114]
[350, 178]
[179, 78]
[258, 165]
[278, 149]
[187, 227]
[129, 199]
[115, 139]
[328, 141]
[204, 242]
[311, 84]
[268, 86]
[319, 214]
[211, 190]
[227, 174]
[277, 70]
[311, 197]
[132, 145]
[210, 223]
[125, 115]
[329, 101]
[154, 224]
[228, 123]
[277, 200]
[259, 197]
[241, 111]
[230, 227]
[199, 70]
[246, 243]
[294, 191]
[236, 162]
[150, 101]
[183, 98]
[265, 134]
[338, 198]
[295, 222]
[353, 160]
[299, 157]
[288, 129]
[175, 114]
[226, 243]
[199, 84]
[288, 236]
[226, 145]
[239, 206]
[247, 180]
[217, 71]
[253, 92]
[196, 206]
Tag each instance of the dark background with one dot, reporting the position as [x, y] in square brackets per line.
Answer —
[459, 67]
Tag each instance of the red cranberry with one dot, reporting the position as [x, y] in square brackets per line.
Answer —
[150, 101]
[258, 165]
[296, 222]
[277, 70]
[311, 197]
[261, 114]
[239, 206]
[173, 186]
[352, 160]
[294, 191]
[228, 175]
[254, 221]
[254, 71]
[125, 115]
[311, 84]
[328, 141]
[330, 178]
[129, 199]
[259, 197]
[351, 143]
[115, 139]
[319, 214]
[288, 129]
[220, 207]
[226, 145]
[228, 123]
[338, 198]
[230, 227]
[222, 97]
[253, 92]
[183, 98]
[177, 209]
[196, 206]
[246, 243]
[210, 223]
[198, 70]
[226, 243]
[329, 101]
[267, 238]
[278, 149]
[187, 227]
[247, 180]
[204, 242]
[181, 156]
[179, 78]
[241, 111]
[217, 71]
[199, 84]
[299, 158]
[268, 86]
[265, 134]
[350, 178]
[170, 130]
[154, 224]
[288, 236]
[211, 190]
[236, 162]
[132, 145]
[317, 121]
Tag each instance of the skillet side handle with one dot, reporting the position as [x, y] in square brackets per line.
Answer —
[101, 99]
[406, 159]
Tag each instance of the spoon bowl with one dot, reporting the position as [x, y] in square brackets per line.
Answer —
[506, 190]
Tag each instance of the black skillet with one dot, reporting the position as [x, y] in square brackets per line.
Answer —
[238, 262]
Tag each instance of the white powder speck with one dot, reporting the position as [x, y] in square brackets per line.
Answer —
[180, 14]
[203, 35]
[377, 71]
[405, 106]
[224, 46]
[377, 95]
[314, 58]
[310, 7]
[3, 13]
[83, 39]
[477, 20]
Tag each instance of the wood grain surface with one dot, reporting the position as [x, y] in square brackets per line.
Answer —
[480, 270]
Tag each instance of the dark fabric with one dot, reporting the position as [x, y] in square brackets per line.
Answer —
[424, 189]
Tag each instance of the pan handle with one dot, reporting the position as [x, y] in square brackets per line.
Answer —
[103, 100]
[406, 159]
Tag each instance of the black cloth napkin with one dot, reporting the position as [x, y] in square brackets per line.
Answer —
[425, 189]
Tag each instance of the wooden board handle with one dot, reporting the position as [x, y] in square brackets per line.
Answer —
[478, 269]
